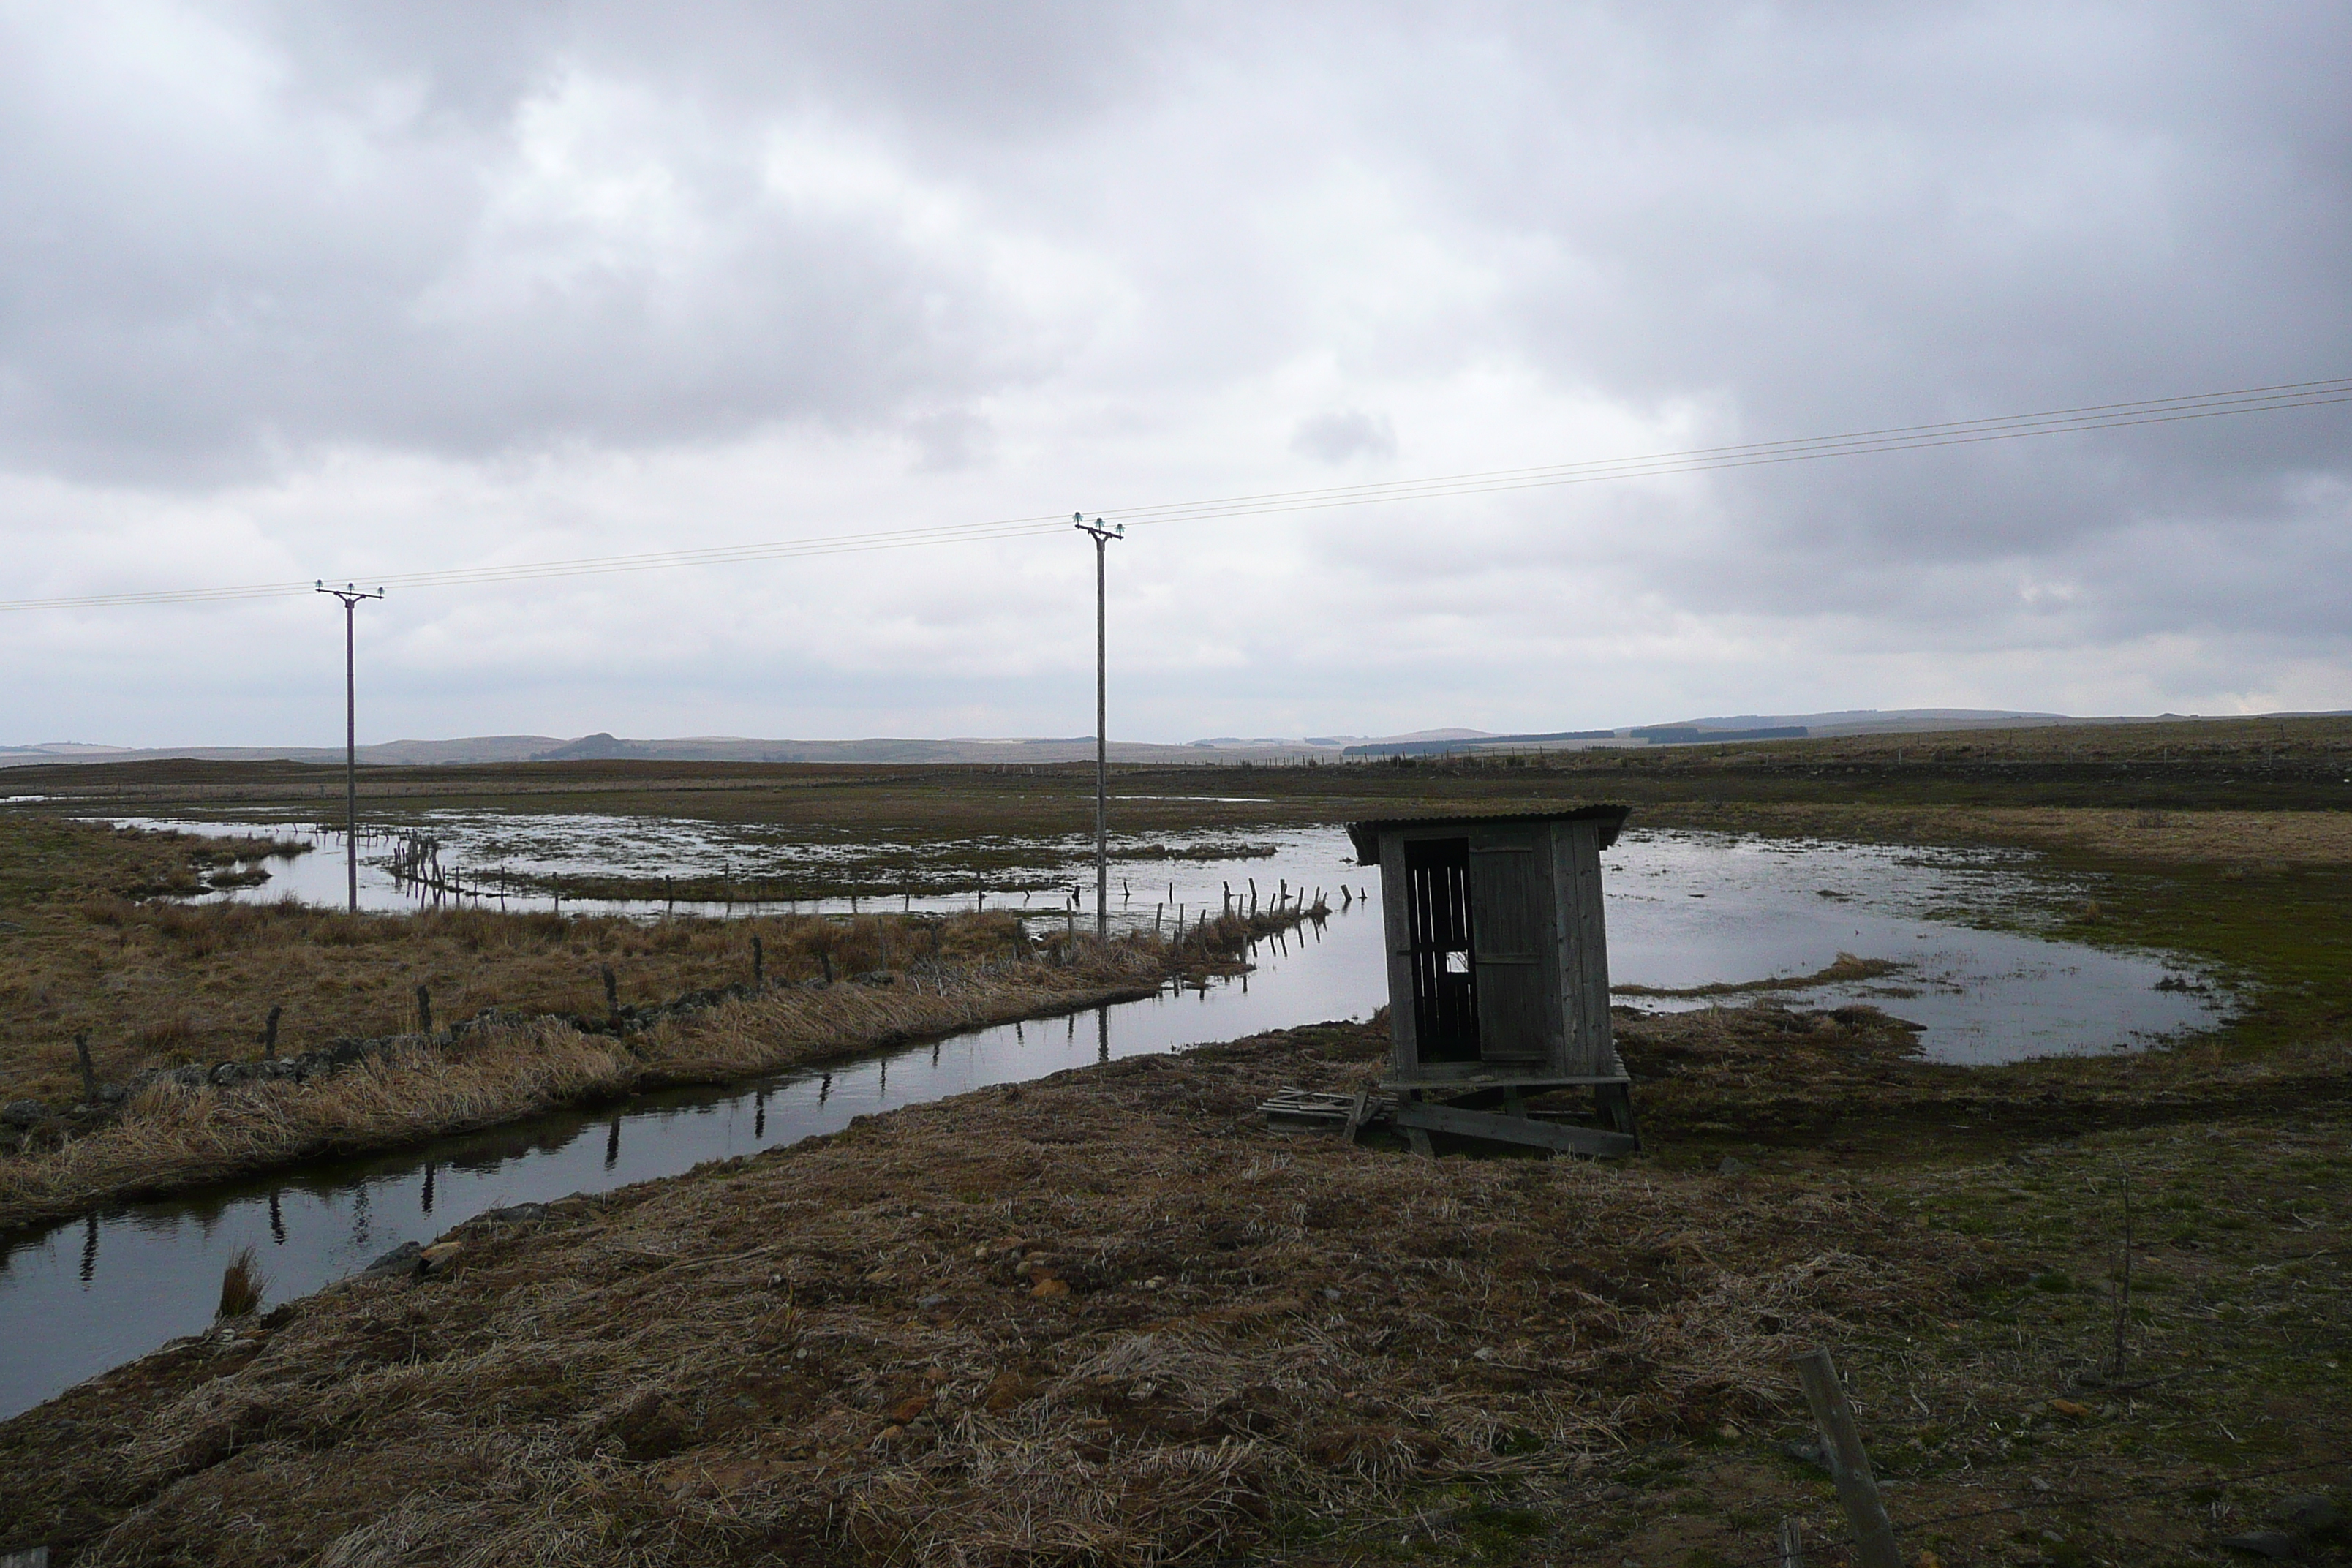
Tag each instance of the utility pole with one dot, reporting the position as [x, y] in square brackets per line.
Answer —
[350, 597]
[1102, 537]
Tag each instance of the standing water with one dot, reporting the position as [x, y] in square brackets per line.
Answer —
[1685, 910]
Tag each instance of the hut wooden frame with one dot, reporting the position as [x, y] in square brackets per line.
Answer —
[1498, 956]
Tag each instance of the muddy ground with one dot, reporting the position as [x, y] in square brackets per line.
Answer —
[1109, 1318]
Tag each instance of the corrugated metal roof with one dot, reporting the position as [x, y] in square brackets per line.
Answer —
[1365, 835]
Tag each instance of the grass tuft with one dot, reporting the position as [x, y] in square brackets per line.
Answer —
[242, 1283]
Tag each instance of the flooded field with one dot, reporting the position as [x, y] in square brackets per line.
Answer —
[1686, 910]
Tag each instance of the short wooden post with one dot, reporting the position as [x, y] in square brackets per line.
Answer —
[825, 957]
[1793, 1548]
[269, 1031]
[1857, 1489]
[423, 1011]
[612, 998]
[759, 963]
[2123, 1292]
[88, 1070]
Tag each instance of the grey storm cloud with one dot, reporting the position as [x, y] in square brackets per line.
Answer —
[1300, 236]
[339, 223]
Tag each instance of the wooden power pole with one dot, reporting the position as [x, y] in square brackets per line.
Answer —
[350, 597]
[1102, 537]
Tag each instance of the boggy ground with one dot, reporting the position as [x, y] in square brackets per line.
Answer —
[1108, 1318]
[90, 948]
[879, 981]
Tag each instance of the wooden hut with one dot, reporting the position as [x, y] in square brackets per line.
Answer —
[1499, 969]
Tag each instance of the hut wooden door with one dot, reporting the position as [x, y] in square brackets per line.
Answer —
[1437, 909]
[1514, 949]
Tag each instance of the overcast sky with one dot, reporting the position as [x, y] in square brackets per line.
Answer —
[301, 289]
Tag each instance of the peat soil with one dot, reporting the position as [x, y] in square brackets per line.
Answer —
[1109, 1318]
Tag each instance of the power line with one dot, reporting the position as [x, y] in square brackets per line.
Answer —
[2271, 399]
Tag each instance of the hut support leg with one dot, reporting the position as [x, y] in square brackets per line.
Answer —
[1615, 1106]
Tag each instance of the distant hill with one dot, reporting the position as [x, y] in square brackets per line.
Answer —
[604, 746]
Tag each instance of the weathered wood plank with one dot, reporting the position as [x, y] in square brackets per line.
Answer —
[1404, 1051]
[1420, 1115]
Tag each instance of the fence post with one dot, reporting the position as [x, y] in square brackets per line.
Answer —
[269, 1031]
[759, 963]
[612, 998]
[88, 1069]
[423, 1011]
[1793, 1548]
[1857, 1490]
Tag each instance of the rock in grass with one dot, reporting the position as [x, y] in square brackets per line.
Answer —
[405, 1258]
[1807, 1450]
[2314, 1513]
[2272, 1543]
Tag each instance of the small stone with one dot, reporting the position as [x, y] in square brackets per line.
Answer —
[2070, 1410]
[1331, 1294]
[1048, 1289]
[2272, 1543]
[437, 1258]
[24, 1113]
[2314, 1513]
[1483, 1352]
[401, 1259]
[932, 1301]
[908, 1411]
[1731, 1167]
[1807, 1450]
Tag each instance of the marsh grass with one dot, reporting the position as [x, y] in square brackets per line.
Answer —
[172, 1135]
[242, 1285]
[157, 984]
[1845, 969]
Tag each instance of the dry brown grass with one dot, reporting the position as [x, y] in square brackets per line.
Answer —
[1100, 1320]
[242, 1284]
[157, 984]
[2241, 838]
[1844, 969]
[171, 1135]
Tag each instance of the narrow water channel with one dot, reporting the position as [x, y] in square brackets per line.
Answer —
[1685, 910]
